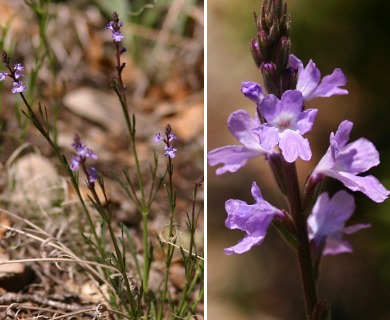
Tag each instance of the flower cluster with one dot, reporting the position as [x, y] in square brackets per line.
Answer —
[115, 26]
[280, 123]
[170, 151]
[14, 73]
[79, 160]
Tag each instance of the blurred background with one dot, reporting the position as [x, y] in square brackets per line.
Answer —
[264, 283]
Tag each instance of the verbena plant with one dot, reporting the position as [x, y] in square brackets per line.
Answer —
[129, 293]
[313, 223]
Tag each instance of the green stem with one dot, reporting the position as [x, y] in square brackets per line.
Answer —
[303, 251]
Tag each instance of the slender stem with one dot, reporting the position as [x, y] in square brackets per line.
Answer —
[303, 251]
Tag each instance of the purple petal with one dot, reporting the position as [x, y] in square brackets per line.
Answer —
[293, 145]
[337, 247]
[369, 185]
[292, 101]
[295, 63]
[330, 84]
[308, 80]
[232, 157]
[252, 91]
[358, 156]
[268, 136]
[270, 107]
[241, 125]
[343, 132]
[244, 245]
[306, 120]
[356, 228]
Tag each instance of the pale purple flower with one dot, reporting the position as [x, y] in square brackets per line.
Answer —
[82, 154]
[158, 137]
[253, 219]
[117, 36]
[93, 175]
[327, 220]
[233, 157]
[252, 91]
[18, 87]
[170, 151]
[3, 75]
[286, 123]
[18, 68]
[309, 80]
[344, 162]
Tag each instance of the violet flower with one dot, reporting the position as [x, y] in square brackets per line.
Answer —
[327, 220]
[3, 75]
[286, 123]
[117, 36]
[309, 80]
[233, 157]
[344, 162]
[170, 151]
[82, 154]
[253, 219]
[18, 87]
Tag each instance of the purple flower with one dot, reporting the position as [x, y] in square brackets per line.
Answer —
[309, 80]
[75, 162]
[327, 220]
[3, 75]
[158, 137]
[117, 36]
[344, 161]
[170, 151]
[286, 123]
[253, 219]
[82, 153]
[233, 157]
[93, 175]
[253, 91]
[18, 68]
[18, 87]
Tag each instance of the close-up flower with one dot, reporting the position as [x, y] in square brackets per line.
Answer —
[253, 219]
[117, 35]
[309, 80]
[82, 153]
[326, 222]
[18, 87]
[344, 162]
[234, 157]
[286, 125]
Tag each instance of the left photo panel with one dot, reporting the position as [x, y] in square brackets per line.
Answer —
[102, 159]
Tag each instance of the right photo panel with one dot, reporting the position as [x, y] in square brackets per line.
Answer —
[298, 160]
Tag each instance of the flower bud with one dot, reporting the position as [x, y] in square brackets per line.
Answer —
[254, 46]
[289, 79]
[281, 53]
[270, 75]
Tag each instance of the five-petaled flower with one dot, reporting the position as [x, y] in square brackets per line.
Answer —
[170, 151]
[82, 154]
[308, 81]
[326, 222]
[344, 162]
[286, 123]
[253, 219]
[117, 35]
[233, 157]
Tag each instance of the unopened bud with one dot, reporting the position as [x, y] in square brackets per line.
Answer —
[289, 79]
[270, 75]
[281, 53]
[254, 46]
